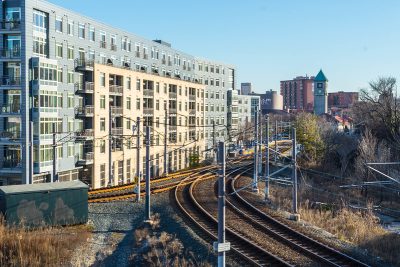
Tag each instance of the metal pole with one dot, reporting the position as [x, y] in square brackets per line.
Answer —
[260, 155]
[294, 171]
[214, 144]
[138, 147]
[54, 154]
[221, 246]
[276, 137]
[30, 178]
[110, 143]
[147, 216]
[165, 143]
[267, 159]
[255, 175]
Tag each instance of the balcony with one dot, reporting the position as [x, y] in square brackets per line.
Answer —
[84, 64]
[86, 134]
[116, 111]
[116, 89]
[10, 26]
[148, 92]
[10, 110]
[10, 82]
[113, 47]
[148, 111]
[86, 111]
[172, 111]
[172, 128]
[87, 159]
[172, 95]
[103, 44]
[192, 111]
[117, 131]
[7, 53]
[192, 97]
[84, 88]
[11, 166]
[10, 137]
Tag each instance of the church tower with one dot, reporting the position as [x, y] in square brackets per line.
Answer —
[320, 94]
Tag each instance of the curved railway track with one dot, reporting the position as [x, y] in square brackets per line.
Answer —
[285, 234]
[246, 251]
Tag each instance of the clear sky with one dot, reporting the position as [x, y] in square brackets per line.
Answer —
[353, 41]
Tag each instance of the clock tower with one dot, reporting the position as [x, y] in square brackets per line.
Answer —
[320, 94]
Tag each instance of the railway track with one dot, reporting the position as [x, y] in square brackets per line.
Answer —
[246, 251]
[320, 252]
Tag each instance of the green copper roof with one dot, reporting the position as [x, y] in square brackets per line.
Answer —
[320, 77]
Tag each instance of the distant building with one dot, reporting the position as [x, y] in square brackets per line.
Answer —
[342, 99]
[298, 93]
[271, 101]
[246, 89]
[320, 94]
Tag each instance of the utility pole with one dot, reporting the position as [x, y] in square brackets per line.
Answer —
[255, 178]
[147, 216]
[30, 178]
[54, 154]
[138, 146]
[110, 143]
[214, 145]
[260, 144]
[267, 160]
[221, 247]
[276, 137]
[165, 143]
[294, 172]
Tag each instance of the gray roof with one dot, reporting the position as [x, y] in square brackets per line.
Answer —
[27, 188]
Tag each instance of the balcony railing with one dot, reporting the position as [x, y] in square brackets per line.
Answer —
[87, 87]
[87, 110]
[87, 133]
[84, 63]
[10, 53]
[87, 158]
[116, 89]
[10, 25]
[172, 128]
[117, 131]
[10, 109]
[148, 92]
[172, 110]
[172, 95]
[10, 135]
[192, 111]
[113, 47]
[192, 97]
[11, 164]
[116, 110]
[103, 44]
[148, 110]
[10, 81]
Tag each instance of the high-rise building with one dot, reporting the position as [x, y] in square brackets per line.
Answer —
[342, 99]
[320, 94]
[246, 88]
[67, 77]
[298, 94]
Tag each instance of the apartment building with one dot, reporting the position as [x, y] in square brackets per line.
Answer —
[342, 99]
[54, 63]
[298, 93]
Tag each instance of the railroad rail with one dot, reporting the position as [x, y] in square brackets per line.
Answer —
[284, 233]
[247, 251]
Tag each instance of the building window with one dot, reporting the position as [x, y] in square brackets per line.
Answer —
[138, 103]
[120, 171]
[102, 124]
[40, 21]
[59, 50]
[128, 83]
[71, 150]
[102, 146]
[102, 79]
[138, 84]
[70, 28]
[103, 175]
[70, 78]
[81, 31]
[128, 170]
[40, 46]
[59, 25]
[91, 34]
[70, 52]
[128, 103]
[103, 102]
[157, 104]
[60, 74]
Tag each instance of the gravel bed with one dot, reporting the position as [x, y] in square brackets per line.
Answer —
[302, 226]
[205, 197]
[112, 241]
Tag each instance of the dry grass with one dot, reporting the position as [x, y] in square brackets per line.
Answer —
[160, 249]
[42, 247]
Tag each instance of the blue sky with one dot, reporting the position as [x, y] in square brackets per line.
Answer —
[353, 41]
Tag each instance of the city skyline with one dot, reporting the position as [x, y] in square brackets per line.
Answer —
[345, 39]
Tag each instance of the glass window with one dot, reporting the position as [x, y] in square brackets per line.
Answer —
[13, 14]
[40, 21]
[102, 146]
[91, 34]
[102, 79]
[102, 101]
[128, 83]
[70, 28]
[59, 50]
[138, 103]
[128, 103]
[70, 52]
[59, 25]
[81, 31]
[102, 124]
